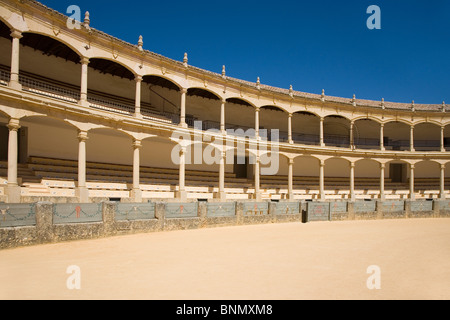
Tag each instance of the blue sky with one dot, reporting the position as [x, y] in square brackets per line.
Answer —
[312, 45]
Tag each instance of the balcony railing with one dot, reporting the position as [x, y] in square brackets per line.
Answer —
[5, 76]
[48, 89]
[104, 103]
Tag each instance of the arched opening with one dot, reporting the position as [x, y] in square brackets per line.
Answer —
[203, 105]
[48, 153]
[111, 86]
[273, 118]
[49, 67]
[5, 53]
[366, 134]
[239, 114]
[397, 178]
[336, 131]
[160, 97]
[397, 136]
[337, 178]
[427, 137]
[367, 179]
[427, 179]
[305, 128]
[306, 177]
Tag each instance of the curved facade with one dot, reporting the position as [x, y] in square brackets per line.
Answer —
[86, 115]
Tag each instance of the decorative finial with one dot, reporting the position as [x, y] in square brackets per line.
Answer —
[443, 106]
[323, 95]
[258, 84]
[223, 71]
[185, 59]
[413, 108]
[382, 104]
[141, 43]
[87, 21]
[354, 100]
[291, 91]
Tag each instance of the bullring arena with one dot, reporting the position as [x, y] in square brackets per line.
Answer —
[108, 145]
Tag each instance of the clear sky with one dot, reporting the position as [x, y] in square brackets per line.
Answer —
[313, 45]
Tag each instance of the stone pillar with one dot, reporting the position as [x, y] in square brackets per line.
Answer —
[136, 193]
[291, 179]
[15, 60]
[257, 122]
[322, 181]
[442, 183]
[84, 81]
[257, 179]
[322, 143]
[442, 139]
[222, 116]
[182, 195]
[382, 167]
[109, 218]
[82, 191]
[411, 183]
[137, 110]
[222, 195]
[290, 129]
[382, 148]
[411, 139]
[352, 181]
[13, 188]
[352, 139]
[44, 222]
[183, 108]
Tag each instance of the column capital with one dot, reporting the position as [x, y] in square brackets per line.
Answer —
[290, 161]
[82, 136]
[412, 166]
[382, 125]
[257, 109]
[290, 114]
[382, 165]
[137, 144]
[84, 61]
[138, 78]
[13, 124]
[443, 165]
[322, 163]
[352, 165]
[183, 90]
[16, 34]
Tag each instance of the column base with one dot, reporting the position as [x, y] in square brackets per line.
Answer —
[183, 125]
[181, 196]
[290, 196]
[82, 193]
[257, 197]
[222, 196]
[15, 85]
[138, 115]
[136, 195]
[13, 193]
[83, 103]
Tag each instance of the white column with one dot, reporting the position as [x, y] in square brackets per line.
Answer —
[322, 143]
[411, 183]
[222, 116]
[290, 129]
[352, 181]
[13, 127]
[183, 108]
[257, 180]
[382, 167]
[136, 193]
[222, 194]
[382, 148]
[291, 179]
[12, 189]
[82, 191]
[182, 195]
[442, 139]
[411, 139]
[352, 141]
[84, 81]
[322, 180]
[257, 122]
[442, 183]
[14, 80]
[137, 110]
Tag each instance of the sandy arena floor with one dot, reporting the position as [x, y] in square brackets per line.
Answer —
[277, 261]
